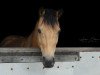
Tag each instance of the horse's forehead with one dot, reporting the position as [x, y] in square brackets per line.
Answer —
[48, 28]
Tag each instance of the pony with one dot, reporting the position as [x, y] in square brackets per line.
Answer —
[44, 36]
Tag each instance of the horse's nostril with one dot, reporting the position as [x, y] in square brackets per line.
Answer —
[48, 63]
[53, 59]
[43, 59]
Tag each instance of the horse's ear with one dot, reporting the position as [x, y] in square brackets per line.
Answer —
[41, 11]
[59, 13]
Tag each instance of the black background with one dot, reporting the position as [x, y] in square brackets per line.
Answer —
[79, 22]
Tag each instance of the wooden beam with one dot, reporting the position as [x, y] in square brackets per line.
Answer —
[29, 55]
[59, 49]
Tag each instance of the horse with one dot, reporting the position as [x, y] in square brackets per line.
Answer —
[44, 36]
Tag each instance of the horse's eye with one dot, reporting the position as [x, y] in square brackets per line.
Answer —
[39, 31]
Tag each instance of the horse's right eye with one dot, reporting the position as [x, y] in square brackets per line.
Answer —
[39, 31]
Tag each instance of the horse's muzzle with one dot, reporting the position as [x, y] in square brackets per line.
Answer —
[48, 63]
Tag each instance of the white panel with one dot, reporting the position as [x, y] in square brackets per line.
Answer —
[89, 68]
[60, 68]
[90, 56]
[89, 64]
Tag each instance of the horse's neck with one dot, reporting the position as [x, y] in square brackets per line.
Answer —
[32, 40]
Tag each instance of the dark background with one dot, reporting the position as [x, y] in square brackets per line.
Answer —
[79, 22]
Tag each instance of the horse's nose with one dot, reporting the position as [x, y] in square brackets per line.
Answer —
[48, 63]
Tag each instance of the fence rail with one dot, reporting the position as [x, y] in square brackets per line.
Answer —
[24, 55]
[59, 49]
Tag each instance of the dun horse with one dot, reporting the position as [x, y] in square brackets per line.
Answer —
[45, 36]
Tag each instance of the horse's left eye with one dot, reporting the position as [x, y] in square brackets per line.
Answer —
[39, 30]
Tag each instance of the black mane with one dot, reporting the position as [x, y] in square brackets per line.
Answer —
[50, 17]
